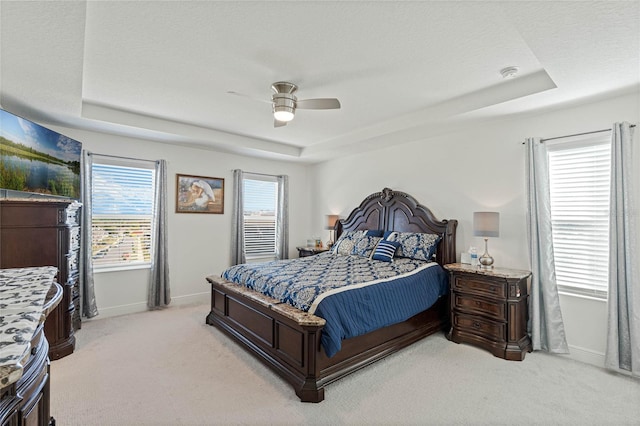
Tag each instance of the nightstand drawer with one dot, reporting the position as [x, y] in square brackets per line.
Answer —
[477, 325]
[480, 286]
[473, 305]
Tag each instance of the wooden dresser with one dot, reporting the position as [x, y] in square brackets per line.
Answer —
[47, 233]
[489, 309]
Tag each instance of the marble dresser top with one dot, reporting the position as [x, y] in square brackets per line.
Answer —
[22, 307]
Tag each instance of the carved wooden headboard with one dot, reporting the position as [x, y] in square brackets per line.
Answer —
[397, 211]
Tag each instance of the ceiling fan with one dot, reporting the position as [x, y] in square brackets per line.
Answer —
[284, 102]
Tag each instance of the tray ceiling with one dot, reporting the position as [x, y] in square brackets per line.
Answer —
[402, 70]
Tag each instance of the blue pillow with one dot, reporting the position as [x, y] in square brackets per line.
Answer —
[385, 250]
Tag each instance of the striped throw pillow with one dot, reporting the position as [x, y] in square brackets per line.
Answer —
[385, 250]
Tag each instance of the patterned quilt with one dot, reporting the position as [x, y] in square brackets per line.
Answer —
[352, 293]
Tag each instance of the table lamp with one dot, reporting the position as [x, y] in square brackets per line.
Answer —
[486, 224]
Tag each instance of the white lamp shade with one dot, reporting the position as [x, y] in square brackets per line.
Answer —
[486, 224]
[331, 220]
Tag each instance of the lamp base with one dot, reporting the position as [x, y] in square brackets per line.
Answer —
[486, 261]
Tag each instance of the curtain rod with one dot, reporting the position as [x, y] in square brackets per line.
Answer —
[577, 134]
[259, 174]
[580, 134]
[122, 158]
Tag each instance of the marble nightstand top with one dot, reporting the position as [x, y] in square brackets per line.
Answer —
[23, 292]
[494, 272]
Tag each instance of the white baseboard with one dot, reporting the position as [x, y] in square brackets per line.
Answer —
[113, 311]
[587, 356]
[191, 299]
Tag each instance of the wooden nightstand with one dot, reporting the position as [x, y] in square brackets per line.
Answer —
[310, 251]
[489, 309]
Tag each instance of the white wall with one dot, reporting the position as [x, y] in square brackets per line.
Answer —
[199, 244]
[479, 167]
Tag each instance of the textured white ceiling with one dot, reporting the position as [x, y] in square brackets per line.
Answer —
[401, 70]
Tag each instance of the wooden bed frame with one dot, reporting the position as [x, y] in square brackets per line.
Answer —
[287, 340]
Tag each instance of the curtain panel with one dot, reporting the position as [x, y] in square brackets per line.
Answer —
[88, 305]
[623, 304]
[237, 225]
[545, 316]
[282, 248]
[159, 293]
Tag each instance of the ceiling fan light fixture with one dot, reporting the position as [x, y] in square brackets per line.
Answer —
[284, 102]
[284, 106]
[283, 113]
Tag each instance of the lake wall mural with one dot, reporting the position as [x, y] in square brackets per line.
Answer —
[34, 159]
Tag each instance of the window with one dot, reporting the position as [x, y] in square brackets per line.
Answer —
[121, 215]
[579, 174]
[260, 216]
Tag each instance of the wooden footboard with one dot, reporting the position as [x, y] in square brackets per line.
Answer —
[285, 339]
[288, 340]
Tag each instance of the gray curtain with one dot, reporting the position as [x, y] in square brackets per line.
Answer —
[237, 226]
[282, 237]
[159, 295]
[623, 337]
[88, 306]
[545, 317]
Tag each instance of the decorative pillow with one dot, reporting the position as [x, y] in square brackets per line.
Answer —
[415, 245]
[385, 250]
[374, 232]
[346, 242]
[364, 246]
[385, 234]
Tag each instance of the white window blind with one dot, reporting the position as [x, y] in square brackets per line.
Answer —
[121, 216]
[260, 216]
[579, 173]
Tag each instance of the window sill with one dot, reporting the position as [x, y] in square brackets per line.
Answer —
[121, 268]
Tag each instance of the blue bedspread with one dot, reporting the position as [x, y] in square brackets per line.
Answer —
[353, 294]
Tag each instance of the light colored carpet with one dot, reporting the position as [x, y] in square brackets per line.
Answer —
[170, 368]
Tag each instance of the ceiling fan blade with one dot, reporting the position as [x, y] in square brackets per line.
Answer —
[277, 123]
[231, 92]
[321, 103]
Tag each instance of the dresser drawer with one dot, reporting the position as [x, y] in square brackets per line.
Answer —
[37, 338]
[74, 239]
[495, 309]
[480, 286]
[495, 331]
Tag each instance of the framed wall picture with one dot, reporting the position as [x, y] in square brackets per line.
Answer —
[199, 194]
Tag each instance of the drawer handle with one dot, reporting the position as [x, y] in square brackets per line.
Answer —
[492, 288]
[476, 324]
[478, 303]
